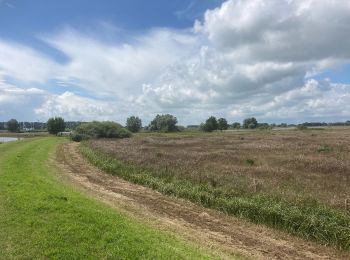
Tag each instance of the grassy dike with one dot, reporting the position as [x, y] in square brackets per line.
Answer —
[41, 218]
[307, 219]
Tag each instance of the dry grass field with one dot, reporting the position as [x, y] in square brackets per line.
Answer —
[295, 165]
[296, 181]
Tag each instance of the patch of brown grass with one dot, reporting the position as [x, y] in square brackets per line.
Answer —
[293, 164]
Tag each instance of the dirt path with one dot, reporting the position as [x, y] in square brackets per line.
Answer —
[210, 228]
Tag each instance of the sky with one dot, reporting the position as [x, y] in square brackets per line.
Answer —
[279, 61]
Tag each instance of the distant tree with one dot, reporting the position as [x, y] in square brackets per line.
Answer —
[164, 123]
[222, 124]
[56, 125]
[264, 126]
[13, 125]
[210, 124]
[193, 127]
[250, 123]
[236, 125]
[133, 124]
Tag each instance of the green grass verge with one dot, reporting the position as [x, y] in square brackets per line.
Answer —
[41, 217]
[307, 219]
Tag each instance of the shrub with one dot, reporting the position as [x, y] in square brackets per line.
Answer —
[79, 137]
[181, 128]
[56, 125]
[264, 126]
[105, 129]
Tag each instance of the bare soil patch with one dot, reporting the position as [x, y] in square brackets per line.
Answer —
[224, 234]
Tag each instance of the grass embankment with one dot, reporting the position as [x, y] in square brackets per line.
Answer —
[40, 217]
[307, 219]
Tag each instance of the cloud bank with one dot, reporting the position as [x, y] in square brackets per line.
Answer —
[244, 58]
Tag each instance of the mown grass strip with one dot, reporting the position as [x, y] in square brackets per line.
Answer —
[42, 218]
[310, 220]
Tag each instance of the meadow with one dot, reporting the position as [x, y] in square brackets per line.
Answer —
[297, 181]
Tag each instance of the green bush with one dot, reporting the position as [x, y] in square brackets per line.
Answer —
[264, 126]
[105, 129]
[79, 137]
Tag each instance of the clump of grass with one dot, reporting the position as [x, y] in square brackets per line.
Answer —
[249, 162]
[307, 219]
[325, 149]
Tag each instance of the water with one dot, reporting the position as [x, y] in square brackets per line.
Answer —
[8, 139]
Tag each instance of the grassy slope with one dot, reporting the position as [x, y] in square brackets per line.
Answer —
[42, 218]
[309, 220]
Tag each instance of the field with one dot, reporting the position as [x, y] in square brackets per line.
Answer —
[55, 204]
[43, 217]
[297, 181]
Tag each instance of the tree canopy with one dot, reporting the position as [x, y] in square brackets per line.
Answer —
[222, 124]
[210, 124]
[56, 125]
[236, 125]
[13, 125]
[133, 124]
[250, 123]
[164, 123]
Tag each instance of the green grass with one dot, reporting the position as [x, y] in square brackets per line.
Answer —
[41, 217]
[308, 218]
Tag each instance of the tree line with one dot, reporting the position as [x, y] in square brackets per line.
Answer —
[161, 123]
[168, 123]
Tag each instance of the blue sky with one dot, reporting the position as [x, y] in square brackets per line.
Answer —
[23, 20]
[280, 61]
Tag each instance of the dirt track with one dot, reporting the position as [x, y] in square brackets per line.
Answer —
[224, 234]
